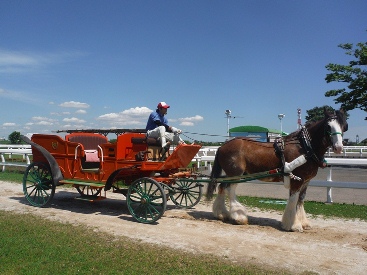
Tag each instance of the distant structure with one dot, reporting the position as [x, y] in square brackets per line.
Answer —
[257, 133]
[299, 122]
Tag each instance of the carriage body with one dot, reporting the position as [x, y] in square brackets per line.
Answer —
[131, 166]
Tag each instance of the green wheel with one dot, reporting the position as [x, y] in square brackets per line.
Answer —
[146, 200]
[38, 184]
[87, 190]
[186, 193]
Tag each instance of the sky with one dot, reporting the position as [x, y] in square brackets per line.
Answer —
[84, 64]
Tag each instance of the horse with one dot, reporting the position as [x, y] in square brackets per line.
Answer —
[298, 155]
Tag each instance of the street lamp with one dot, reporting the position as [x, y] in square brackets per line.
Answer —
[281, 116]
[228, 114]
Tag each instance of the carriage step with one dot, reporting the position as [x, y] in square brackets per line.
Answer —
[90, 198]
[97, 185]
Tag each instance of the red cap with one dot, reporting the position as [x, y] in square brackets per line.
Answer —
[163, 105]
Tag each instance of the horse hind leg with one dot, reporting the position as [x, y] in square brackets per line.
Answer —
[236, 209]
[219, 206]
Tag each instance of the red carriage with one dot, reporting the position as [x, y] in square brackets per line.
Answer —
[134, 166]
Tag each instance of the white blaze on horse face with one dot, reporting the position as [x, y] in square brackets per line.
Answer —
[336, 136]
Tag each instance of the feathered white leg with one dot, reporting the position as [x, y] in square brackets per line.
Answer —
[290, 221]
[236, 209]
[219, 207]
[301, 215]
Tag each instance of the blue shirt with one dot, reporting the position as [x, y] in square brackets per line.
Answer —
[156, 119]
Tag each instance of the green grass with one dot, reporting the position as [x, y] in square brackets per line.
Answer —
[338, 210]
[13, 174]
[32, 245]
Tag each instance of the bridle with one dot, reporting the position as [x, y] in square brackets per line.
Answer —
[329, 133]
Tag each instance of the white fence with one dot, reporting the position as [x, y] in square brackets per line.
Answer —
[351, 156]
[350, 151]
[8, 151]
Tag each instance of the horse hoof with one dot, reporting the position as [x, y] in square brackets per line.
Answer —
[297, 229]
[243, 221]
[306, 227]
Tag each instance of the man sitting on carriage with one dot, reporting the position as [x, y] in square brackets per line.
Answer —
[158, 128]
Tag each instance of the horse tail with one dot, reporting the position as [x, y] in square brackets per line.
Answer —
[216, 172]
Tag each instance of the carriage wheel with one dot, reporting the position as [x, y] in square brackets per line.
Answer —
[146, 200]
[186, 193]
[38, 184]
[87, 190]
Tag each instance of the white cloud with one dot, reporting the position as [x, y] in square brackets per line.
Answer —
[132, 116]
[73, 120]
[190, 121]
[20, 62]
[74, 104]
[37, 118]
[45, 123]
[187, 123]
[9, 124]
[81, 112]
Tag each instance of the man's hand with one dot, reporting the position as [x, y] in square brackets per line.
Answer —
[176, 130]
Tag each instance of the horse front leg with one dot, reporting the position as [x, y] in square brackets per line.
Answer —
[301, 213]
[219, 206]
[290, 220]
[236, 209]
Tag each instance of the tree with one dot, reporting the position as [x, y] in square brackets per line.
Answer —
[14, 137]
[317, 113]
[354, 74]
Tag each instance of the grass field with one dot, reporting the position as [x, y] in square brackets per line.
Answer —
[32, 245]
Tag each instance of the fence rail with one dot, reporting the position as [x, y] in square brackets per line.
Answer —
[7, 151]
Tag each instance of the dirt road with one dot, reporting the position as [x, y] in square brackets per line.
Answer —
[333, 246]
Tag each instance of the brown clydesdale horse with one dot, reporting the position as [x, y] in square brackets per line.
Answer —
[301, 154]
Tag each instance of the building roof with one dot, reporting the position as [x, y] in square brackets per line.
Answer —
[252, 129]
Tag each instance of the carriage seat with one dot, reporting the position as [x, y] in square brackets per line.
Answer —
[147, 141]
[91, 144]
[154, 147]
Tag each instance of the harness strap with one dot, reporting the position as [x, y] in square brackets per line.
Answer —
[305, 139]
[279, 149]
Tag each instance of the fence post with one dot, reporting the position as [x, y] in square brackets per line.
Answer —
[329, 198]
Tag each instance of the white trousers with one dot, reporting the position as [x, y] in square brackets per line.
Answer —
[161, 134]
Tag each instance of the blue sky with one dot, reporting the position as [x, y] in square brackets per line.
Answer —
[107, 64]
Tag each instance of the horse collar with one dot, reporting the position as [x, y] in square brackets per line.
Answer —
[306, 144]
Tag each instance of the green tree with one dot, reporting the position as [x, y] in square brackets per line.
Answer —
[14, 137]
[317, 113]
[354, 75]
